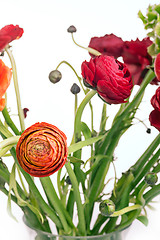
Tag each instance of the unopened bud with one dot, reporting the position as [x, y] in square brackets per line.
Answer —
[75, 88]
[55, 76]
[107, 207]
[71, 29]
[148, 130]
[68, 180]
[151, 179]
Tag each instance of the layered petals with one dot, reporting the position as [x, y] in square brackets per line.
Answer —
[109, 77]
[8, 34]
[42, 149]
[155, 100]
[109, 44]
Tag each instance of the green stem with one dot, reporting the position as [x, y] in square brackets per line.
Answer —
[125, 210]
[9, 121]
[15, 80]
[4, 130]
[9, 141]
[80, 209]
[53, 198]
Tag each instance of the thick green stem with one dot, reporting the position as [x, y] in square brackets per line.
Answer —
[53, 198]
[81, 225]
[15, 80]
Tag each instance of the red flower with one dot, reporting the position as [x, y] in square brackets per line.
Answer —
[42, 149]
[154, 119]
[136, 57]
[157, 66]
[154, 116]
[110, 45]
[8, 34]
[109, 77]
[5, 79]
[155, 100]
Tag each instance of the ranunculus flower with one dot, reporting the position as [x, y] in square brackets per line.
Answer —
[109, 44]
[8, 34]
[109, 77]
[42, 149]
[5, 79]
[157, 66]
[136, 57]
[154, 119]
[155, 100]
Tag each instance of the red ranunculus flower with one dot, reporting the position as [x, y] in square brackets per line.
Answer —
[136, 57]
[154, 119]
[8, 34]
[157, 66]
[110, 45]
[42, 149]
[109, 77]
[5, 79]
[155, 100]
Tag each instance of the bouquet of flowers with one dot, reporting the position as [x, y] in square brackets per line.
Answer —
[40, 150]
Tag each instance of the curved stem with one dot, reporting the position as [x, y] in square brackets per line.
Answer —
[90, 50]
[15, 80]
[80, 209]
[125, 210]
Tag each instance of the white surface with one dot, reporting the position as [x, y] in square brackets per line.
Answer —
[44, 44]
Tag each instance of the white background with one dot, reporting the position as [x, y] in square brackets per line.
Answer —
[44, 44]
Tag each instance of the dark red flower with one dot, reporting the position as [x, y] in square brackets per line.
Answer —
[8, 34]
[110, 45]
[136, 57]
[154, 119]
[109, 77]
[42, 149]
[155, 100]
[157, 66]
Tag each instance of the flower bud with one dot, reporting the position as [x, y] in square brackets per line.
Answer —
[107, 207]
[55, 76]
[151, 178]
[75, 88]
[71, 29]
[148, 130]
[68, 180]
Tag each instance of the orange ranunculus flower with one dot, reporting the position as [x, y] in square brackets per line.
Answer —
[8, 34]
[42, 149]
[5, 79]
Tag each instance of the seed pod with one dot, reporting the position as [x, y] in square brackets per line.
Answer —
[55, 76]
[71, 29]
[75, 88]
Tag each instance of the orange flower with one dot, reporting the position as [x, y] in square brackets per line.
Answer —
[42, 149]
[8, 34]
[5, 79]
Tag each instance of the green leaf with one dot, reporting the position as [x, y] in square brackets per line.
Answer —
[76, 146]
[85, 130]
[143, 219]
[157, 8]
[75, 160]
[142, 17]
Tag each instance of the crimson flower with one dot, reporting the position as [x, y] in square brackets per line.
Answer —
[137, 58]
[154, 116]
[157, 66]
[109, 77]
[5, 79]
[42, 149]
[8, 34]
[109, 44]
